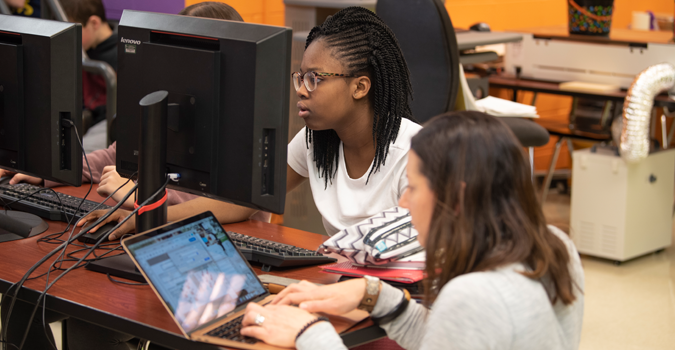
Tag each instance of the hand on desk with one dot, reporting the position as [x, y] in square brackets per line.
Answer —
[111, 181]
[117, 216]
[281, 324]
[334, 299]
[16, 178]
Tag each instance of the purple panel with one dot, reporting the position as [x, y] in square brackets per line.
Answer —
[163, 6]
[114, 8]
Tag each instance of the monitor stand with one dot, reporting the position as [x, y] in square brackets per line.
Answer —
[151, 177]
[118, 266]
[16, 225]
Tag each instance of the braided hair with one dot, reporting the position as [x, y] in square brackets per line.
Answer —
[365, 45]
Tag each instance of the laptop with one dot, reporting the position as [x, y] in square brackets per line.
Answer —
[203, 280]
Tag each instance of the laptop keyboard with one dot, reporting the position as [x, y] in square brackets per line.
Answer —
[230, 331]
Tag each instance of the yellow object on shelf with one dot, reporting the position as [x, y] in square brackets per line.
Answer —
[583, 86]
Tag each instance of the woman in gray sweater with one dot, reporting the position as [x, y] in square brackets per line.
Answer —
[497, 277]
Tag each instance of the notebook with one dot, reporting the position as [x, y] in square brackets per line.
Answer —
[203, 280]
[390, 274]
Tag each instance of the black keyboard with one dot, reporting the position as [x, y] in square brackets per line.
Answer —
[230, 331]
[46, 204]
[270, 253]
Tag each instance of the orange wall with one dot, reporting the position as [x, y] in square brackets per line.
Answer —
[499, 14]
[507, 14]
[623, 10]
[516, 14]
[255, 11]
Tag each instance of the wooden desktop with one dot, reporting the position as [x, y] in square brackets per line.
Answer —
[509, 81]
[615, 35]
[133, 309]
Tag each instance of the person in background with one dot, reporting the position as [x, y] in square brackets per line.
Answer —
[496, 276]
[99, 41]
[28, 8]
[215, 10]
[83, 335]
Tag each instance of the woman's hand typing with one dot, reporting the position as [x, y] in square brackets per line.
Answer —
[335, 299]
[277, 324]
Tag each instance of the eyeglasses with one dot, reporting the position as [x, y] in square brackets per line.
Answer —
[311, 79]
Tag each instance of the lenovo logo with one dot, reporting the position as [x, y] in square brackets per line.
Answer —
[130, 41]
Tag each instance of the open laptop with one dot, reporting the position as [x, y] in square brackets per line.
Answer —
[204, 281]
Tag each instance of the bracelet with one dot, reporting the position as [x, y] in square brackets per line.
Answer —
[312, 322]
[398, 310]
[372, 293]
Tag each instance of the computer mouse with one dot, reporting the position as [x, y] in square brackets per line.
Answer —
[480, 27]
[93, 237]
[5, 180]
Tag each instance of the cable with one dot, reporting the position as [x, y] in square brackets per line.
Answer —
[152, 197]
[19, 284]
[90, 250]
[66, 121]
[55, 236]
[91, 185]
[64, 245]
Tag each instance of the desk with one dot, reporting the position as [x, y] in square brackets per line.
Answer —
[509, 81]
[467, 40]
[136, 310]
[615, 35]
[551, 53]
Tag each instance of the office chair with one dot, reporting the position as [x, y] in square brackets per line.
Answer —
[427, 38]
[4, 9]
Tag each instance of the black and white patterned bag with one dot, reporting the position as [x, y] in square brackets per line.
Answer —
[385, 237]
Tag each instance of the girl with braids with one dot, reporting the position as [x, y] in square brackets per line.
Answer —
[354, 89]
[497, 277]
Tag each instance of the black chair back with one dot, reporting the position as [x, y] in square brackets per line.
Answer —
[427, 39]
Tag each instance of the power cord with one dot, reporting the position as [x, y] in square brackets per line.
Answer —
[71, 238]
[17, 286]
[89, 252]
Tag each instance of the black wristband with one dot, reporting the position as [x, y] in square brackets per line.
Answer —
[318, 319]
[398, 310]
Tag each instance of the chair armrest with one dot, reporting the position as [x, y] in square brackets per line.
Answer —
[477, 57]
[529, 133]
[110, 77]
[4, 9]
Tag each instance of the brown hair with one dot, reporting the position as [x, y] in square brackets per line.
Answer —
[79, 11]
[486, 213]
[212, 9]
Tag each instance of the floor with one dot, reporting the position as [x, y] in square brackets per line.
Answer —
[628, 307]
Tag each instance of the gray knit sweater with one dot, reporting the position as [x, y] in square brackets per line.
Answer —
[497, 309]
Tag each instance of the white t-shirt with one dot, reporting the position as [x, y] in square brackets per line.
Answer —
[346, 201]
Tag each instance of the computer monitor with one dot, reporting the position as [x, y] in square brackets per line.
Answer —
[228, 85]
[40, 84]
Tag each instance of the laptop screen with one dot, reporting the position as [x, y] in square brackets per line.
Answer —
[196, 269]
